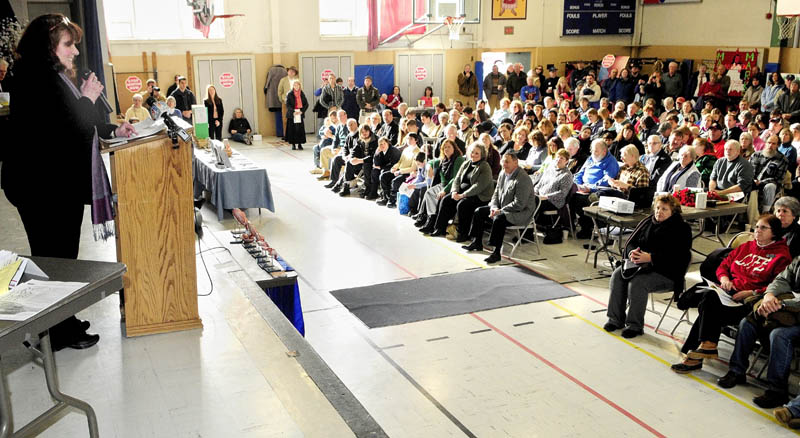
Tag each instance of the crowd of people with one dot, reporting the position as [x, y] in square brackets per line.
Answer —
[539, 143]
[178, 102]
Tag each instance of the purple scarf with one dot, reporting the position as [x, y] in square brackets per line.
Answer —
[102, 207]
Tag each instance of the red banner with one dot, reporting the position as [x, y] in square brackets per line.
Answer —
[736, 62]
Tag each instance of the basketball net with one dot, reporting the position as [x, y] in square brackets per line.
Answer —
[786, 26]
[454, 25]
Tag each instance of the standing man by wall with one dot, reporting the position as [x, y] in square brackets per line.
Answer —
[284, 87]
[468, 86]
[494, 87]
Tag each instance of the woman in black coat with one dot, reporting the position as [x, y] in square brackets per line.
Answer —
[215, 112]
[296, 105]
[660, 249]
[55, 175]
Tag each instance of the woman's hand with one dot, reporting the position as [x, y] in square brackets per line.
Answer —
[91, 88]
[725, 283]
[441, 195]
[125, 130]
[457, 196]
[741, 295]
[639, 257]
[233, 131]
[543, 198]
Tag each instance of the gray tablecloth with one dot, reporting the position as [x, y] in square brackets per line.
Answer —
[244, 186]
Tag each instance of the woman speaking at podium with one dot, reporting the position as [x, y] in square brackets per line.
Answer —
[54, 167]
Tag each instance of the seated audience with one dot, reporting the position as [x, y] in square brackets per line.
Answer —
[576, 155]
[537, 153]
[449, 132]
[788, 150]
[657, 256]
[706, 158]
[656, 160]
[512, 203]
[682, 173]
[382, 162]
[551, 187]
[502, 112]
[171, 110]
[398, 173]
[632, 175]
[443, 170]
[492, 154]
[239, 128]
[744, 275]
[595, 173]
[344, 155]
[520, 145]
[472, 188]
[769, 169]
[732, 173]
[137, 112]
[389, 128]
[787, 210]
[360, 159]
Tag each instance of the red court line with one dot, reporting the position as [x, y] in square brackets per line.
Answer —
[571, 378]
[350, 234]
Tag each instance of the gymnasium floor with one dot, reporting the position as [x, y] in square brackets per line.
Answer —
[539, 370]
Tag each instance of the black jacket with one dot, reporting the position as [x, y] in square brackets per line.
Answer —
[56, 170]
[210, 109]
[669, 244]
[290, 102]
[366, 96]
[350, 105]
[365, 149]
[792, 236]
[240, 125]
[663, 161]
[385, 160]
[390, 131]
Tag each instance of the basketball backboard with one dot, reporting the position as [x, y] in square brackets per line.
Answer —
[787, 7]
[437, 10]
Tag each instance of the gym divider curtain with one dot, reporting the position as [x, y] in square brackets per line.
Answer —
[393, 16]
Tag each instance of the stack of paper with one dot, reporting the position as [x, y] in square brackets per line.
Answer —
[12, 269]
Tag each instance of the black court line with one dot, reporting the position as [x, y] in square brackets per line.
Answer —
[599, 310]
[393, 346]
[323, 309]
[568, 255]
[439, 273]
[480, 331]
[539, 260]
[562, 316]
[419, 388]
[520, 324]
[441, 338]
[474, 268]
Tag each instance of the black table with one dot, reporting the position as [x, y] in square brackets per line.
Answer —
[103, 279]
[630, 221]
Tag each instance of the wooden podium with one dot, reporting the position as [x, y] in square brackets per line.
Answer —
[155, 234]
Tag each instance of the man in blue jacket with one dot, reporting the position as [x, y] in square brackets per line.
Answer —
[595, 173]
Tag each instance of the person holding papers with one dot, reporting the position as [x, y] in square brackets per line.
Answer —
[55, 176]
[743, 277]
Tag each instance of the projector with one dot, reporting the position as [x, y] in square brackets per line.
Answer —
[616, 205]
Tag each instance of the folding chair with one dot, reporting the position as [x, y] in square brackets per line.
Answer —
[563, 214]
[520, 231]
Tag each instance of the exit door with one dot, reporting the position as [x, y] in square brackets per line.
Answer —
[415, 72]
[312, 70]
[233, 80]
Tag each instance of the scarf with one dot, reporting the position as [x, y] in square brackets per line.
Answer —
[102, 208]
[447, 166]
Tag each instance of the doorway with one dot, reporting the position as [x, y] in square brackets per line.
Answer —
[233, 79]
[417, 71]
[313, 69]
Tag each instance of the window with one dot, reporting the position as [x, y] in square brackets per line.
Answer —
[157, 20]
[343, 18]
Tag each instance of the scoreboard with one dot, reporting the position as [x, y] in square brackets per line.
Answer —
[598, 17]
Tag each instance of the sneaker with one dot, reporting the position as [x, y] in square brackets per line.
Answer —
[610, 327]
[316, 171]
[730, 380]
[629, 333]
[771, 399]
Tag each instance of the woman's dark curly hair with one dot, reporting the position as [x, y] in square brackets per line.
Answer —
[39, 41]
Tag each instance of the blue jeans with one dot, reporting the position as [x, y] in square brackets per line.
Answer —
[317, 150]
[238, 137]
[780, 353]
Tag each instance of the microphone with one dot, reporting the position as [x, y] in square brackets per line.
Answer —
[174, 131]
[85, 76]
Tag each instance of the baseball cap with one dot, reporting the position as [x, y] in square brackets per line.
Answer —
[680, 100]
[552, 68]
[715, 125]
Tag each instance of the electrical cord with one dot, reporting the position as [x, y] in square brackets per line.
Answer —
[200, 249]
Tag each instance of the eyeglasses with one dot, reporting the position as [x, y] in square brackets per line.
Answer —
[762, 227]
[65, 21]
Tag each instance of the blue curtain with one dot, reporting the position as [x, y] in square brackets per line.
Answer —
[382, 76]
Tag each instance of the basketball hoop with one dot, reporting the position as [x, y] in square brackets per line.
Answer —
[454, 25]
[786, 26]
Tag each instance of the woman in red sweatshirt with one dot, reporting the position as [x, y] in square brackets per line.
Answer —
[745, 273]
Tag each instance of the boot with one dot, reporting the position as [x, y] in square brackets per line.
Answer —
[345, 190]
[383, 201]
[332, 184]
[337, 188]
[429, 225]
[421, 219]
